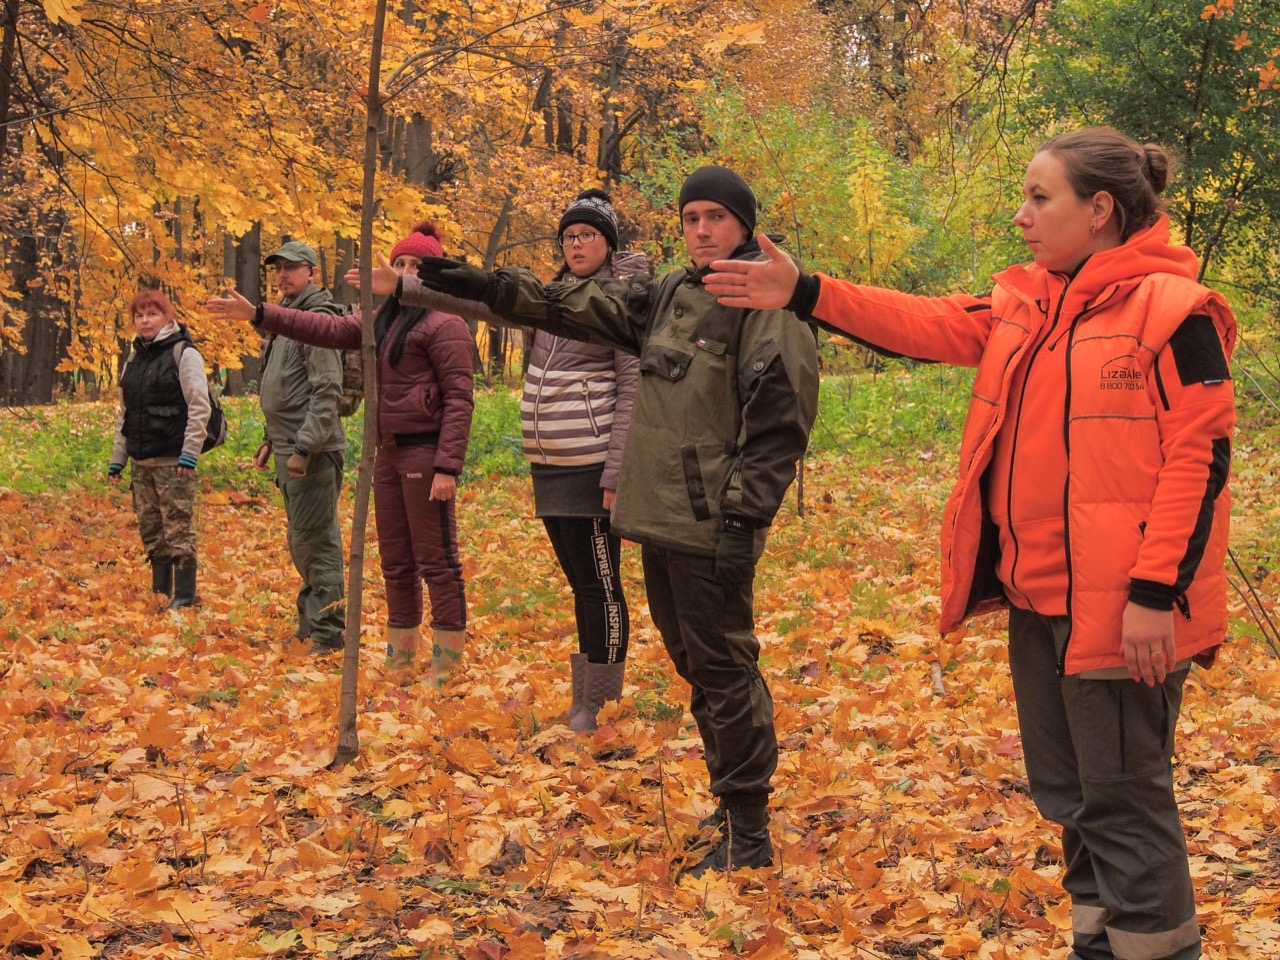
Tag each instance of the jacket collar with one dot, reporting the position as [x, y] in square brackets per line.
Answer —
[1104, 274]
[171, 332]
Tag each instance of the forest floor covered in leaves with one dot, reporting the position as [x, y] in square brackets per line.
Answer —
[164, 791]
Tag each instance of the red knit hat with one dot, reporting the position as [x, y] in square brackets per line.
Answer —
[424, 241]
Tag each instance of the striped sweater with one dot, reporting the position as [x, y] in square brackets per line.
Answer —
[576, 406]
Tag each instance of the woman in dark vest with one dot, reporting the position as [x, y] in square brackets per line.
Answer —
[164, 415]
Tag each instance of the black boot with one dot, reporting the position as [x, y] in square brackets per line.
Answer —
[744, 836]
[184, 584]
[162, 575]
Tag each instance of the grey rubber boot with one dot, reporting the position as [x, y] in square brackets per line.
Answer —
[184, 584]
[578, 667]
[744, 836]
[601, 682]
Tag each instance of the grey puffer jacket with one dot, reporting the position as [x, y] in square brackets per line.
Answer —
[576, 406]
[723, 409]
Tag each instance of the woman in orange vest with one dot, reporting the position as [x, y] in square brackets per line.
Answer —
[1091, 500]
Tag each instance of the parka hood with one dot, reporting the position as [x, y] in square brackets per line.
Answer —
[1147, 252]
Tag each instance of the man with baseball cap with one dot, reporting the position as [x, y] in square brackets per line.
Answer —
[722, 415]
[301, 387]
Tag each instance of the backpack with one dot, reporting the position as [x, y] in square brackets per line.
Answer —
[217, 427]
[352, 377]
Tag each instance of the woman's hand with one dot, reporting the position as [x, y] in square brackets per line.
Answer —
[609, 496]
[756, 284]
[1146, 637]
[231, 307]
[444, 486]
[385, 278]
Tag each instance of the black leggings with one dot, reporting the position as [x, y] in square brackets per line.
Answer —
[589, 555]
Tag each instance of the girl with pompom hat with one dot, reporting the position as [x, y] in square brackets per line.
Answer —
[574, 416]
[426, 364]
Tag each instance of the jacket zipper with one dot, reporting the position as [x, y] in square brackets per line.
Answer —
[591, 414]
[1066, 487]
[537, 399]
[1017, 427]
[1066, 497]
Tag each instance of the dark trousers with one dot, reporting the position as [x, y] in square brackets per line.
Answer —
[315, 544]
[709, 631]
[417, 540]
[1099, 758]
[590, 555]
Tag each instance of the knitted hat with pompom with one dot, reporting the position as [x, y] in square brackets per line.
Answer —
[424, 241]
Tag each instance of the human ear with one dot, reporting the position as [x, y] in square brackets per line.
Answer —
[1102, 207]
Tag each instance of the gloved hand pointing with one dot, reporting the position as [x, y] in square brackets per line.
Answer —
[456, 279]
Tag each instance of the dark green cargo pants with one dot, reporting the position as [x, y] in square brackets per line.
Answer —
[315, 545]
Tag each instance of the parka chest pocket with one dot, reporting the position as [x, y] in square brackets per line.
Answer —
[667, 359]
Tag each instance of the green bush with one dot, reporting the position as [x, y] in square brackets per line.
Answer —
[894, 407]
[495, 446]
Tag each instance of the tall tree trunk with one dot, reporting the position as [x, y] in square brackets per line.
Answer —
[31, 376]
[344, 260]
[8, 53]
[242, 267]
[348, 746]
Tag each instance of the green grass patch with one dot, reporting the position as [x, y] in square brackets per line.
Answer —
[900, 408]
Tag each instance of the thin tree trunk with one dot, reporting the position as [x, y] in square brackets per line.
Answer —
[348, 738]
[242, 266]
[8, 54]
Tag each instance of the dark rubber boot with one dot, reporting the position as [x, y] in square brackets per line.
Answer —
[162, 576]
[601, 683]
[744, 837]
[184, 584]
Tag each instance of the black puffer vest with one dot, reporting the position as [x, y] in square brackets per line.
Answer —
[155, 411]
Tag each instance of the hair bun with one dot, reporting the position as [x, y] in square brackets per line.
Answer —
[1157, 166]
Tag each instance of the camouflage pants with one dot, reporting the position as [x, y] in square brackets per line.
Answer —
[165, 502]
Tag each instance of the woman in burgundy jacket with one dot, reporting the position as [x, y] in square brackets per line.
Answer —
[426, 363]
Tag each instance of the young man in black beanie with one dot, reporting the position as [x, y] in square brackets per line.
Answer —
[722, 414]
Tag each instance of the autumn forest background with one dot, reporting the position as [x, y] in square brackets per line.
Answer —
[163, 781]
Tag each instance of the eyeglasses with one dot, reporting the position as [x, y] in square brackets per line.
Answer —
[283, 266]
[569, 239]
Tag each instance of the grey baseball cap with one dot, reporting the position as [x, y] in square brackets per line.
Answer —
[295, 251]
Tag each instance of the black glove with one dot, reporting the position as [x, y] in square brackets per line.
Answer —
[736, 551]
[456, 279]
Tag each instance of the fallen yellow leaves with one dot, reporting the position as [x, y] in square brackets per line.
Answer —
[163, 781]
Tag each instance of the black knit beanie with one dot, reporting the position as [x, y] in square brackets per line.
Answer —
[721, 185]
[595, 209]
